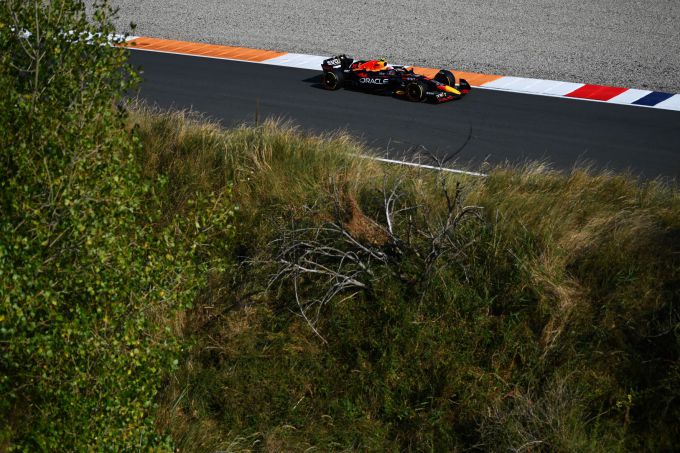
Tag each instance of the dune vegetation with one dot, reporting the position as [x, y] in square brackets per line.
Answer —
[380, 307]
[167, 284]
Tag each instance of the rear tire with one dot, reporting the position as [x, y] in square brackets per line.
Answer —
[446, 77]
[415, 91]
[333, 80]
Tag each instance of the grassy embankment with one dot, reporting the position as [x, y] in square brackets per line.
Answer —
[528, 310]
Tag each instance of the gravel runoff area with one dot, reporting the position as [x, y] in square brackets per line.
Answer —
[629, 43]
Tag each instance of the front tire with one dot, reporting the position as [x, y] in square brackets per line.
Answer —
[415, 91]
[446, 77]
[333, 80]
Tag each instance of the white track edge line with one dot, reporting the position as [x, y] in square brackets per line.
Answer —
[428, 167]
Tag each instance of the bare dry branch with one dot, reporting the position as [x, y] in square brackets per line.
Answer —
[336, 259]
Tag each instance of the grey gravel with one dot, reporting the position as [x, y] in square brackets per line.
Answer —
[630, 43]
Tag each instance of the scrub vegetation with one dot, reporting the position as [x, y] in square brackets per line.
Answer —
[166, 283]
[387, 308]
[96, 258]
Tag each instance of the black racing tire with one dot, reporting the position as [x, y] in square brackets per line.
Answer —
[415, 91]
[446, 77]
[333, 79]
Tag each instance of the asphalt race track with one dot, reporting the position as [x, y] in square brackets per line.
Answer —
[487, 125]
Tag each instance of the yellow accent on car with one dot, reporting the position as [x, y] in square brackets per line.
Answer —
[452, 90]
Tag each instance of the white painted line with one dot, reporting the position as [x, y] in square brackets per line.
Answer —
[533, 86]
[628, 97]
[297, 60]
[428, 167]
[541, 86]
[672, 103]
[502, 83]
[563, 88]
[520, 84]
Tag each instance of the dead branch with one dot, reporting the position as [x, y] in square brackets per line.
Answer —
[335, 259]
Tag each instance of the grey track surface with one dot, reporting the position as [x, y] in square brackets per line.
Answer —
[486, 125]
[630, 43]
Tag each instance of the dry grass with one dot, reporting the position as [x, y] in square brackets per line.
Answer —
[556, 331]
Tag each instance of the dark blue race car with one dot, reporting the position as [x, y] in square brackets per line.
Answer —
[401, 81]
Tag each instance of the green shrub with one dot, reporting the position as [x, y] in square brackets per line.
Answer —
[95, 257]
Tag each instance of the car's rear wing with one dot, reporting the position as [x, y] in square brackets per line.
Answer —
[339, 61]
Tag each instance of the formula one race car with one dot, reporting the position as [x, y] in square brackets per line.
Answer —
[400, 81]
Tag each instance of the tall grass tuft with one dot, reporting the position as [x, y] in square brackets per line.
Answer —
[549, 322]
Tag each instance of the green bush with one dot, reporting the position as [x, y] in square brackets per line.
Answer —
[96, 258]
